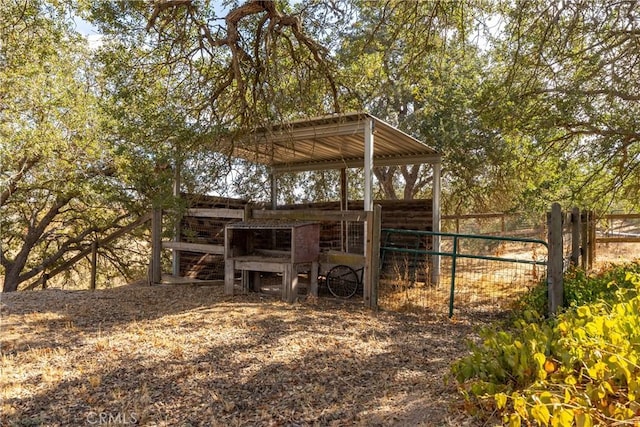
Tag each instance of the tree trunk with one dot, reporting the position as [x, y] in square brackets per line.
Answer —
[385, 180]
[12, 277]
[14, 267]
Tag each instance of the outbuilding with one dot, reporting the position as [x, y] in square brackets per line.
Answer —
[337, 142]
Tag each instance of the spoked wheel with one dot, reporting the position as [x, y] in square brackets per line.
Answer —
[342, 281]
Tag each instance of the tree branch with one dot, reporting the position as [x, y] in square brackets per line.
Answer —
[242, 66]
[26, 164]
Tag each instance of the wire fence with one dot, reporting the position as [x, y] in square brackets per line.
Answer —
[617, 238]
[496, 224]
[479, 275]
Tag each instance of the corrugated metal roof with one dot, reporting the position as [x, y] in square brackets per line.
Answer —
[331, 142]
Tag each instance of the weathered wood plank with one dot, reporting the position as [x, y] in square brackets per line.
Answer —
[179, 280]
[617, 239]
[334, 257]
[311, 215]
[621, 216]
[254, 265]
[194, 247]
[215, 213]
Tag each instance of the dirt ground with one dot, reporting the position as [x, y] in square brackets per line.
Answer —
[186, 355]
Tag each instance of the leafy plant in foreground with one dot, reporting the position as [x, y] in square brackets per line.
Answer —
[580, 288]
[580, 368]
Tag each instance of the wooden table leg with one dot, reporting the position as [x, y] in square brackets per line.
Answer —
[229, 272]
[255, 281]
[313, 279]
[286, 283]
[293, 296]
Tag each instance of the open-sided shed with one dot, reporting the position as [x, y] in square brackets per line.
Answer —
[338, 142]
[341, 141]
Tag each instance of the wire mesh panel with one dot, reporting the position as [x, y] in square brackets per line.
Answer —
[485, 286]
[346, 236]
[479, 275]
[496, 224]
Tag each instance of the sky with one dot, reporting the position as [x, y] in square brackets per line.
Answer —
[89, 31]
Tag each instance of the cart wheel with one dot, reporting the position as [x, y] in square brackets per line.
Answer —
[342, 281]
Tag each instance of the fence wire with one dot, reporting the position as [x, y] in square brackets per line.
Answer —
[484, 278]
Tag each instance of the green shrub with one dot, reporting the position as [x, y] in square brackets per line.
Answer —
[580, 368]
[580, 288]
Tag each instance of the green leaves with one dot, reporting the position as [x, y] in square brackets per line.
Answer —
[565, 78]
[59, 184]
[578, 369]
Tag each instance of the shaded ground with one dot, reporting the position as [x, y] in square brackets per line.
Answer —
[189, 356]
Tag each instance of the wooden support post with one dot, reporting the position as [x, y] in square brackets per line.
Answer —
[249, 281]
[436, 224]
[575, 236]
[313, 279]
[229, 272]
[156, 246]
[94, 264]
[254, 283]
[175, 254]
[371, 275]
[293, 294]
[584, 231]
[344, 190]
[555, 261]
[592, 239]
[368, 164]
[344, 205]
[229, 265]
[273, 182]
[287, 283]
[375, 259]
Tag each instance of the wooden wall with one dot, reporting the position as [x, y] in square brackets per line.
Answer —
[208, 231]
[402, 214]
[398, 214]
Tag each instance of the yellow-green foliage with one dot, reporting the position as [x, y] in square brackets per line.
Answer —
[581, 368]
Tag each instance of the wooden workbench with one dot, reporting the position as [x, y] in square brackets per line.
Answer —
[286, 247]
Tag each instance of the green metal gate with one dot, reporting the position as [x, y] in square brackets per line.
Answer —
[479, 274]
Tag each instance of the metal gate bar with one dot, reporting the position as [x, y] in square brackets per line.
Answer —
[454, 253]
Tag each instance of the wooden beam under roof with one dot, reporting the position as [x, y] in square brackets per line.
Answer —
[353, 163]
[331, 142]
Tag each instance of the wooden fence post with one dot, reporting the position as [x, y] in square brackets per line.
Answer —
[94, 264]
[175, 255]
[372, 255]
[575, 236]
[555, 261]
[156, 246]
[177, 182]
[592, 238]
[584, 231]
[245, 276]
